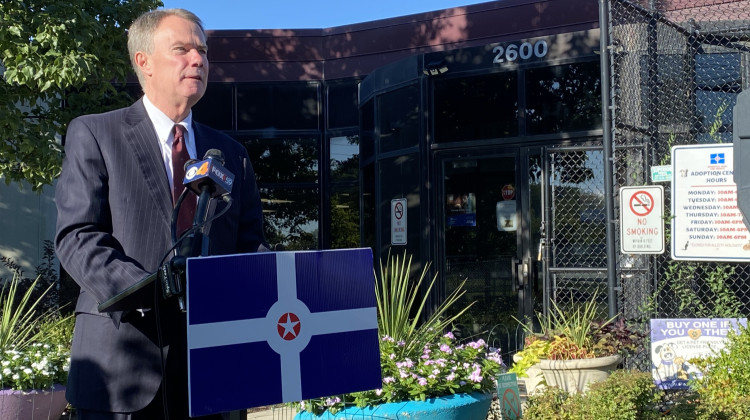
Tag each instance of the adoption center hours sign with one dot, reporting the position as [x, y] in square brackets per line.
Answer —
[707, 225]
[642, 220]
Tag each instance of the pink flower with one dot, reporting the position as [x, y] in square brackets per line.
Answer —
[449, 335]
[422, 381]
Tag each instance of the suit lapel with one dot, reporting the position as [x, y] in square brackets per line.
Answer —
[139, 133]
[201, 142]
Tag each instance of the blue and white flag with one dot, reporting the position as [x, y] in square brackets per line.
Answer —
[275, 327]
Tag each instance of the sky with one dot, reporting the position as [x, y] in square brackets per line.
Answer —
[301, 14]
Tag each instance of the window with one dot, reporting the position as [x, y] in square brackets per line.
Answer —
[563, 98]
[291, 106]
[476, 108]
[342, 104]
[216, 107]
[399, 119]
[719, 79]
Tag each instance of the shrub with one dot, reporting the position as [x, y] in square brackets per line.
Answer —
[724, 389]
[625, 395]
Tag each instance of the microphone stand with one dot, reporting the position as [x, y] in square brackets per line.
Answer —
[173, 274]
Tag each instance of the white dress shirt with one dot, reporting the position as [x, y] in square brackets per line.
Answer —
[163, 126]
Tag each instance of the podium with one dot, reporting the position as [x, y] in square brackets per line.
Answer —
[268, 328]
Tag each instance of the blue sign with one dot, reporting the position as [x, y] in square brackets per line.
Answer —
[676, 341]
[268, 328]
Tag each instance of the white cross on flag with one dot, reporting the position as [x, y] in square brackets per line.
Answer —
[267, 328]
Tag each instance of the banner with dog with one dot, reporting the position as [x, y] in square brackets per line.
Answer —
[675, 341]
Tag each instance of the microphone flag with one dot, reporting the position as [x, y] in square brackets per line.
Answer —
[267, 328]
[212, 171]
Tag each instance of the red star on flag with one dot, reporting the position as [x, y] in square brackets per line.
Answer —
[289, 328]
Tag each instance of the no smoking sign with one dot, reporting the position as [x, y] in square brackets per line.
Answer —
[642, 220]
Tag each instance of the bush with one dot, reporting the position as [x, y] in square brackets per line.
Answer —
[625, 395]
[724, 389]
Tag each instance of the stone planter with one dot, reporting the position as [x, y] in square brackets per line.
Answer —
[452, 407]
[534, 380]
[32, 405]
[576, 375]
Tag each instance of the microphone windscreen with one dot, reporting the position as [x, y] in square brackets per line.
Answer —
[216, 154]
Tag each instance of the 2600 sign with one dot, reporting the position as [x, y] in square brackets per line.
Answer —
[525, 51]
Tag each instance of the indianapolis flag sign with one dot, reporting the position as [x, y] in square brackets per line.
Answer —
[267, 328]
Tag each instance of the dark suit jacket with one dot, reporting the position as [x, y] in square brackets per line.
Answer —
[113, 228]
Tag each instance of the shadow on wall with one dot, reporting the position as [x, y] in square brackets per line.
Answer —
[27, 219]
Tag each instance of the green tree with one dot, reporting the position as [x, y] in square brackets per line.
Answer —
[58, 59]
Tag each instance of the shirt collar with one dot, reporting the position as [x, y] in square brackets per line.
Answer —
[164, 125]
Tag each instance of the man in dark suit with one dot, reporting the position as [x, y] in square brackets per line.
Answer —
[115, 199]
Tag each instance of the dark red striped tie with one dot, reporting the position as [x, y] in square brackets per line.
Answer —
[180, 155]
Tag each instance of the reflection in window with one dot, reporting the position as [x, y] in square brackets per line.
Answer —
[719, 80]
[399, 119]
[291, 217]
[563, 98]
[344, 217]
[369, 226]
[290, 106]
[215, 108]
[344, 158]
[343, 98]
[476, 108]
[284, 160]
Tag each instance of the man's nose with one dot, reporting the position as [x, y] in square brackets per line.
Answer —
[196, 58]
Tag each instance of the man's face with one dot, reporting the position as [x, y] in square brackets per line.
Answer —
[178, 65]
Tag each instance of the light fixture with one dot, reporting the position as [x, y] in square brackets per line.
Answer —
[434, 68]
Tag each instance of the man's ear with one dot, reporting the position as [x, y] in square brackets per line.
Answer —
[143, 62]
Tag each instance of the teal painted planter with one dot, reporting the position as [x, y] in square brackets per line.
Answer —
[451, 407]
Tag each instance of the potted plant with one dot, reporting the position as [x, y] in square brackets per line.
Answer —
[526, 364]
[34, 355]
[425, 370]
[580, 348]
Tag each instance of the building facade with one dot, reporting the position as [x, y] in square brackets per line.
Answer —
[448, 113]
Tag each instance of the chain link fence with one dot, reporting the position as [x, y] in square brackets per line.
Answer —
[676, 68]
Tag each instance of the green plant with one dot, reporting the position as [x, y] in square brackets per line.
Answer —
[724, 388]
[576, 333]
[34, 341]
[19, 321]
[37, 366]
[400, 308]
[533, 351]
[625, 395]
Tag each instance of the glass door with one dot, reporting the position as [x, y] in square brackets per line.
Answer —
[492, 219]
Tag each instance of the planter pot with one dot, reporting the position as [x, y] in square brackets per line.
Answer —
[534, 380]
[576, 375]
[32, 405]
[452, 407]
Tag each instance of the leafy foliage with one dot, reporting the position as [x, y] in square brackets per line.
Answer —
[533, 351]
[724, 389]
[19, 323]
[400, 307]
[59, 60]
[625, 395]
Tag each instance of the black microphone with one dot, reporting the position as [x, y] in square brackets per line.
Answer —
[209, 172]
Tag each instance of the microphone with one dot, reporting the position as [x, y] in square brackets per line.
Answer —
[209, 172]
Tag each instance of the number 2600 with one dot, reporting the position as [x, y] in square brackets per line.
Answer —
[513, 52]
